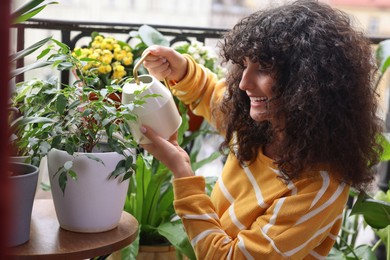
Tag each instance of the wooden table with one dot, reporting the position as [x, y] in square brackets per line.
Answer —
[49, 241]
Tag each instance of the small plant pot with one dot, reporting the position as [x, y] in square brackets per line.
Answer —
[23, 183]
[94, 202]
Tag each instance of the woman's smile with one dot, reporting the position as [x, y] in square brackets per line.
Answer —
[257, 82]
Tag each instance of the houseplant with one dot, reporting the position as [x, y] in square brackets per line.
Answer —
[85, 120]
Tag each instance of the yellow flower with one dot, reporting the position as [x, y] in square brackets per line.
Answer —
[104, 69]
[98, 38]
[110, 58]
[128, 59]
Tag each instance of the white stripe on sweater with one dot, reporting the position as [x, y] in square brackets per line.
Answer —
[274, 215]
[272, 243]
[201, 216]
[325, 185]
[225, 192]
[323, 206]
[256, 188]
[205, 233]
[234, 218]
[333, 237]
[316, 234]
[317, 255]
[290, 184]
[241, 246]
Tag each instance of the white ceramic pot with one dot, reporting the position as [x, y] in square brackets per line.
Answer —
[92, 203]
[159, 112]
[23, 183]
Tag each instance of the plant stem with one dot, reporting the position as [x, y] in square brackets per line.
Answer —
[376, 245]
[388, 244]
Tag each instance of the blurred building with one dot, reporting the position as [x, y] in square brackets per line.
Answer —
[373, 16]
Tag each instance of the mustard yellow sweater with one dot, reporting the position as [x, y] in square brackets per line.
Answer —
[253, 214]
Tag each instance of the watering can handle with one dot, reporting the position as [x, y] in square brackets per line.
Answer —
[136, 66]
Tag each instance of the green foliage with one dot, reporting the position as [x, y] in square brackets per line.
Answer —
[79, 117]
[29, 10]
[376, 212]
[383, 55]
[151, 36]
[22, 14]
[384, 141]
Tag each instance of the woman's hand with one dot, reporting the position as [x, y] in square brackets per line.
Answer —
[168, 152]
[165, 63]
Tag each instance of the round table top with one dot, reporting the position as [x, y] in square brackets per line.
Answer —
[49, 241]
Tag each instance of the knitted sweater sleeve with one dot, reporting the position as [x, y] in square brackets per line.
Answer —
[201, 90]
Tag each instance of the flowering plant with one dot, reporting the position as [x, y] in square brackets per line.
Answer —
[105, 57]
[202, 55]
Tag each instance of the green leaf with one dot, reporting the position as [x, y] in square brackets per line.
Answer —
[375, 212]
[335, 254]
[151, 36]
[364, 252]
[62, 179]
[23, 121]
[28, 10]
[35, 65]
[62, 45]
[72, 175]
[23, 53]
[174, 232]
[383, 55]
[383, 139]
[92, 157]
[61, 104]
[212, 157]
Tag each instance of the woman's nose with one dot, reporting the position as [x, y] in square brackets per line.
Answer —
[246, 82]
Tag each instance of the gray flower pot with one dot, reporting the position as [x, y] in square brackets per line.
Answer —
[23, 181]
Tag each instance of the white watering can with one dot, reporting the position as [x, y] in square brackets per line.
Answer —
[160, 112]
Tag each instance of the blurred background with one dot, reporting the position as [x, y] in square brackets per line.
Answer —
[373, 16]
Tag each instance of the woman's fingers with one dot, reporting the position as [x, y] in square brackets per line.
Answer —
[165, 63]
[168, 152]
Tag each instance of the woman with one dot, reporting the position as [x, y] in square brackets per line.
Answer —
[298, 112]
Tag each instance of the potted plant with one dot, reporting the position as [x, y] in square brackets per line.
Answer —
[85, 124]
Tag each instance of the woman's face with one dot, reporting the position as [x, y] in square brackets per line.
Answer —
[258, 84]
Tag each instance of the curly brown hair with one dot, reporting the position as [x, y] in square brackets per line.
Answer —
[324, 72]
